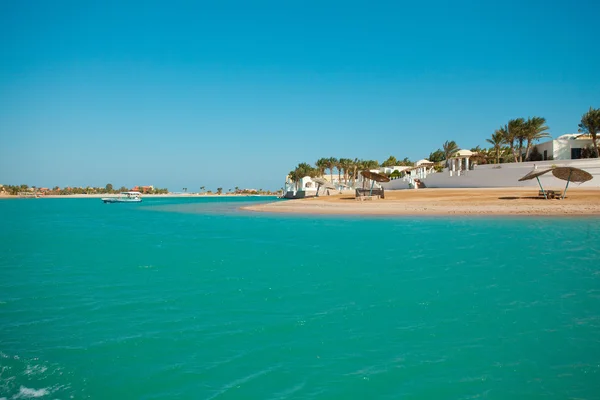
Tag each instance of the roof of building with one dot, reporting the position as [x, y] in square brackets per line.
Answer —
[568, 136]
[423, 161]
[463, 153]
[575, 136]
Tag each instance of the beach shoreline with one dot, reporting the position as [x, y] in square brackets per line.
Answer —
[98, 196]
[446, 202]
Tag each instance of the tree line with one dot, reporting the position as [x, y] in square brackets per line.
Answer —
[511, 142]
[237, 191]
[108, 189]
[347, 167]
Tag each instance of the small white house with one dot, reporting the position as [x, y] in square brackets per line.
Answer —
[305, 187]
[565, 147]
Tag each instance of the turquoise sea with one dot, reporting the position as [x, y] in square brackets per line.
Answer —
[195, 299]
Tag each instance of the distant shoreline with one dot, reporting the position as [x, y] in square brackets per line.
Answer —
[446, 202]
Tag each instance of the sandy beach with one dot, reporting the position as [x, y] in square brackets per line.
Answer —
[492, 201]
[98, 196]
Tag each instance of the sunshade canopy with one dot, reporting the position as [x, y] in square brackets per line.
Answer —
[374, 176]
[534, 174]
[571, 173]
[565, 173]
[323, 182]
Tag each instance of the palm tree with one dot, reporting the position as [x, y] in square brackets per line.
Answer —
[479, 155]
[590, 123]
[293, 175]
[516, 128]
[496, 140]
[354, 165]
[390, 162]
[511, 132]
[406, 162]
[436, 156]
[345, 164]
[449, 149]
[371, 164]
[322, 164]
[202, 188]
[302, 170]
[489, 155]
[219, 190]
[535, 129]
[331, 163]
[507, 138]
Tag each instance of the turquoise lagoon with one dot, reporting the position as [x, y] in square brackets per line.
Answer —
[195, 299]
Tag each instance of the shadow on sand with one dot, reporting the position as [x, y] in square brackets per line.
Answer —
[523, 198]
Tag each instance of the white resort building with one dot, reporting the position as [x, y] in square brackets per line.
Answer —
[565, 147]
[305, 187]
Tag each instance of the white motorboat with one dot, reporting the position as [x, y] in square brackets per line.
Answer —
[124, 197]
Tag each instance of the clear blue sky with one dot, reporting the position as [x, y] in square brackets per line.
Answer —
[237, 93]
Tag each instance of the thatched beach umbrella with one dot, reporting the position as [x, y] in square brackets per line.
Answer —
[322, 182]
[571, 174]
[375, 177]
[536, 174]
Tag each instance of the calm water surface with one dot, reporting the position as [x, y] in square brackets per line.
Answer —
[194, 299]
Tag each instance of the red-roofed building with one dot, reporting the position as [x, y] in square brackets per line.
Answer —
[143, 189]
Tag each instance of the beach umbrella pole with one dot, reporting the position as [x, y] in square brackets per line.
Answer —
[371, 191]
[543, 191]
[566, 187]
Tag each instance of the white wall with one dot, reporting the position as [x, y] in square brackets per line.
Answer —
[548, 147]
[307, 183]
[562, 149]
[507, 175]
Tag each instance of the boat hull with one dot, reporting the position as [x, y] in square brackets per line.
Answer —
[115, 200]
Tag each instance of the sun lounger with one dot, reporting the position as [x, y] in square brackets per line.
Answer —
[375, 193]
[367, 197]
[551, 194]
